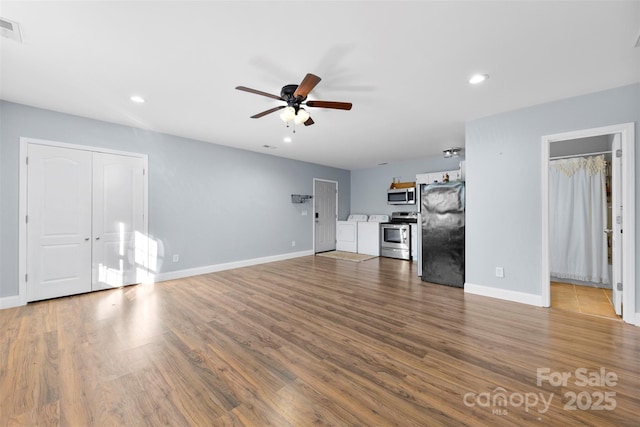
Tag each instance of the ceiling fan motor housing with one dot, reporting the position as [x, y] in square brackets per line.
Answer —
[287, 94]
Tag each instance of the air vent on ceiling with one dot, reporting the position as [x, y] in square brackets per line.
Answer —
[10, 30]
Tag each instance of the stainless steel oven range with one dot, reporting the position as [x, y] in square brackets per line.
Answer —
[395, 241]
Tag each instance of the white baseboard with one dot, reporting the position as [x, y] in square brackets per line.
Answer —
[637, 319]
[179, 274]
[17, 300]
[12, 301]
[504, 294]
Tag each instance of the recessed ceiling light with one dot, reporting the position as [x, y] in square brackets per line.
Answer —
[478, 78]
[138, 99]
[287, 139]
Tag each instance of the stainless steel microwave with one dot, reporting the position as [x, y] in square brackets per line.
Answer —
[401, 196]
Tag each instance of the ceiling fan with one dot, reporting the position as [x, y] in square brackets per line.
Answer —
[295, 97]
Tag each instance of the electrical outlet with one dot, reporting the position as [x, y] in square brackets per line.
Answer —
[293, 243]
[499, 272]
[176, 258]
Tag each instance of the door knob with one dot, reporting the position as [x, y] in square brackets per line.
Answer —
[97, 238]
[86, 239]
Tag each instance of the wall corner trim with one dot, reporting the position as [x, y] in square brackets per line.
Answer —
[504, 294]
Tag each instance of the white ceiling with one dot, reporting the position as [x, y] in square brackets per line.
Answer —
[403, 65]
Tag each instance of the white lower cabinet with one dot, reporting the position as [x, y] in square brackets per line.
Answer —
[85, 212]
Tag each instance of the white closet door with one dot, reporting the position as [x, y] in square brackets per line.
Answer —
[59, 222]
[118, 209]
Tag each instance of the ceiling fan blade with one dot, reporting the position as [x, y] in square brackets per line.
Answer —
[258, 92]
[309, 122]
[330, 104]
[308, 83]
[264, 113]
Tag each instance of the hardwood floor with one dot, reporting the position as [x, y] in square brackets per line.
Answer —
[311, 341]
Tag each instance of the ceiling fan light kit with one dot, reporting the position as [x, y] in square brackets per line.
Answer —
[295, 97]
[288, 114]
[302, 116]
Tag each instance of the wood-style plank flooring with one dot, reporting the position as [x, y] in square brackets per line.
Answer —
[307, 342]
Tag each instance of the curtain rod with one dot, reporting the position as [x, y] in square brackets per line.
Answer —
[580, 155]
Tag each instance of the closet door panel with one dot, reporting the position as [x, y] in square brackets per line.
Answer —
[59, 222]
[118, 197]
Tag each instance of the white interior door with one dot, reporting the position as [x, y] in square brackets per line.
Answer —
[59, 222]
[118, 212]
[616, 224]
[325, 208]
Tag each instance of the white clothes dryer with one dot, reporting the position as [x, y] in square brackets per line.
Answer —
[369, 235]
[347, 233]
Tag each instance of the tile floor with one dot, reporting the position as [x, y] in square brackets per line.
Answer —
[582, 299]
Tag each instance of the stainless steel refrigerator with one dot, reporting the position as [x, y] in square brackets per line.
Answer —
[441, 234]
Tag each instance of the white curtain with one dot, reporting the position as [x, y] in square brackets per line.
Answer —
[578, 216]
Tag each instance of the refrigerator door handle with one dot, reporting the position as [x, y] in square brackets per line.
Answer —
[419, 244]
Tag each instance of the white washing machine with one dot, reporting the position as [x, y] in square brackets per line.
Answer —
[369, 235]
[347, 233]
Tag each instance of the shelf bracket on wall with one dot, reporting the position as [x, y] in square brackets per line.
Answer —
[300, 198]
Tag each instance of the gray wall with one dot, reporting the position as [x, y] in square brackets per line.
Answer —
[369, 186]
[209, 203]
[503, 154]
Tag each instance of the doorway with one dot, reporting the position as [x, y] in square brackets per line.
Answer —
[325, 208]
[580, 204]
[619, 141]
